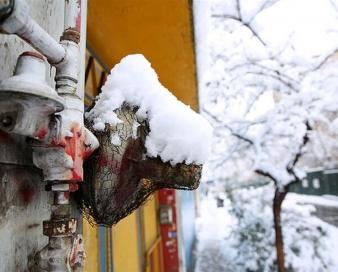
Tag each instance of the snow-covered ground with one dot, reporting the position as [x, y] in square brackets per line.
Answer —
[213, 227]
[230, 244]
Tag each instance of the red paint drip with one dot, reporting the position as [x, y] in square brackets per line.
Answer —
[74, 148]
[113, 165]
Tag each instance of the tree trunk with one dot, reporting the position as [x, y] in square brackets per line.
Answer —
[277, 205]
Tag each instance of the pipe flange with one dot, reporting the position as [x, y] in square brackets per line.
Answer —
[71, 34]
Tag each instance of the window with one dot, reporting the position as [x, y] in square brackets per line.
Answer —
[315, 183]
[305, 183]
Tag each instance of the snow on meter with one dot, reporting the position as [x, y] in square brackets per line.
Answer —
[148, 140]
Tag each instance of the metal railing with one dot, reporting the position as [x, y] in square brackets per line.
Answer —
[154, 257]
[95, 76]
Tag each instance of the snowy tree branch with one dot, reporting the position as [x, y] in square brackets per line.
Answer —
[243, 23]
[292, 164]
[324, 61]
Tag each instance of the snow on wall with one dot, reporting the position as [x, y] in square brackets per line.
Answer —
[177, 133]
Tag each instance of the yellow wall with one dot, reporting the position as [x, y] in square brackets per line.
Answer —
[159, 29]
[149, 213]
[90, 237]
[125, 251]
[150, 233]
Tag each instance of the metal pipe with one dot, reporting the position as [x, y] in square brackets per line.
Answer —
[67, 73]
[73, 15]
[72, 135]
[76, 142]
[19, 22]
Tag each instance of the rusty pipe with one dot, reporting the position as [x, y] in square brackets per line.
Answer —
[18, 21]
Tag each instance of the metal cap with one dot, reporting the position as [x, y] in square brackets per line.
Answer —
[29, 79]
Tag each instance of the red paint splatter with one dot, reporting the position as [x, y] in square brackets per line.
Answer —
[86, 153]
[27, 194]
[73, 187]
[113, 165]
[5, 137]
[74, 147]
[76, 176]
[53, 142]
[41, 134]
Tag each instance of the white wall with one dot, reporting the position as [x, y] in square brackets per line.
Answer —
[23, 202]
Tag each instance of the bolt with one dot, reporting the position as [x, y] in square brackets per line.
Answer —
[6, 121]
[6, 7]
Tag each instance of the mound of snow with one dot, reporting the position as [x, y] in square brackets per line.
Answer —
[177, 133]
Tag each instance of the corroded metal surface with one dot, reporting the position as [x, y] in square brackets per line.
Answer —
[71, 34]
[61, 227]
[54, 256]
[77, 255]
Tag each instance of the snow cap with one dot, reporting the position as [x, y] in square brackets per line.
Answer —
[177, 133]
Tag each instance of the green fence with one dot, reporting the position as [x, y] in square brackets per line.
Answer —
[321, 182]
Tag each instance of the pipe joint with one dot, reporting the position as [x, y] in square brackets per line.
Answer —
[67, 71]
[19, 22]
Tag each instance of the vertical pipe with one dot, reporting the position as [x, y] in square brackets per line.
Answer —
[103, 248]
[111, 253]
[67, 84]
[73, 15]
[83, 41]
[75, 31]
[61, 198]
